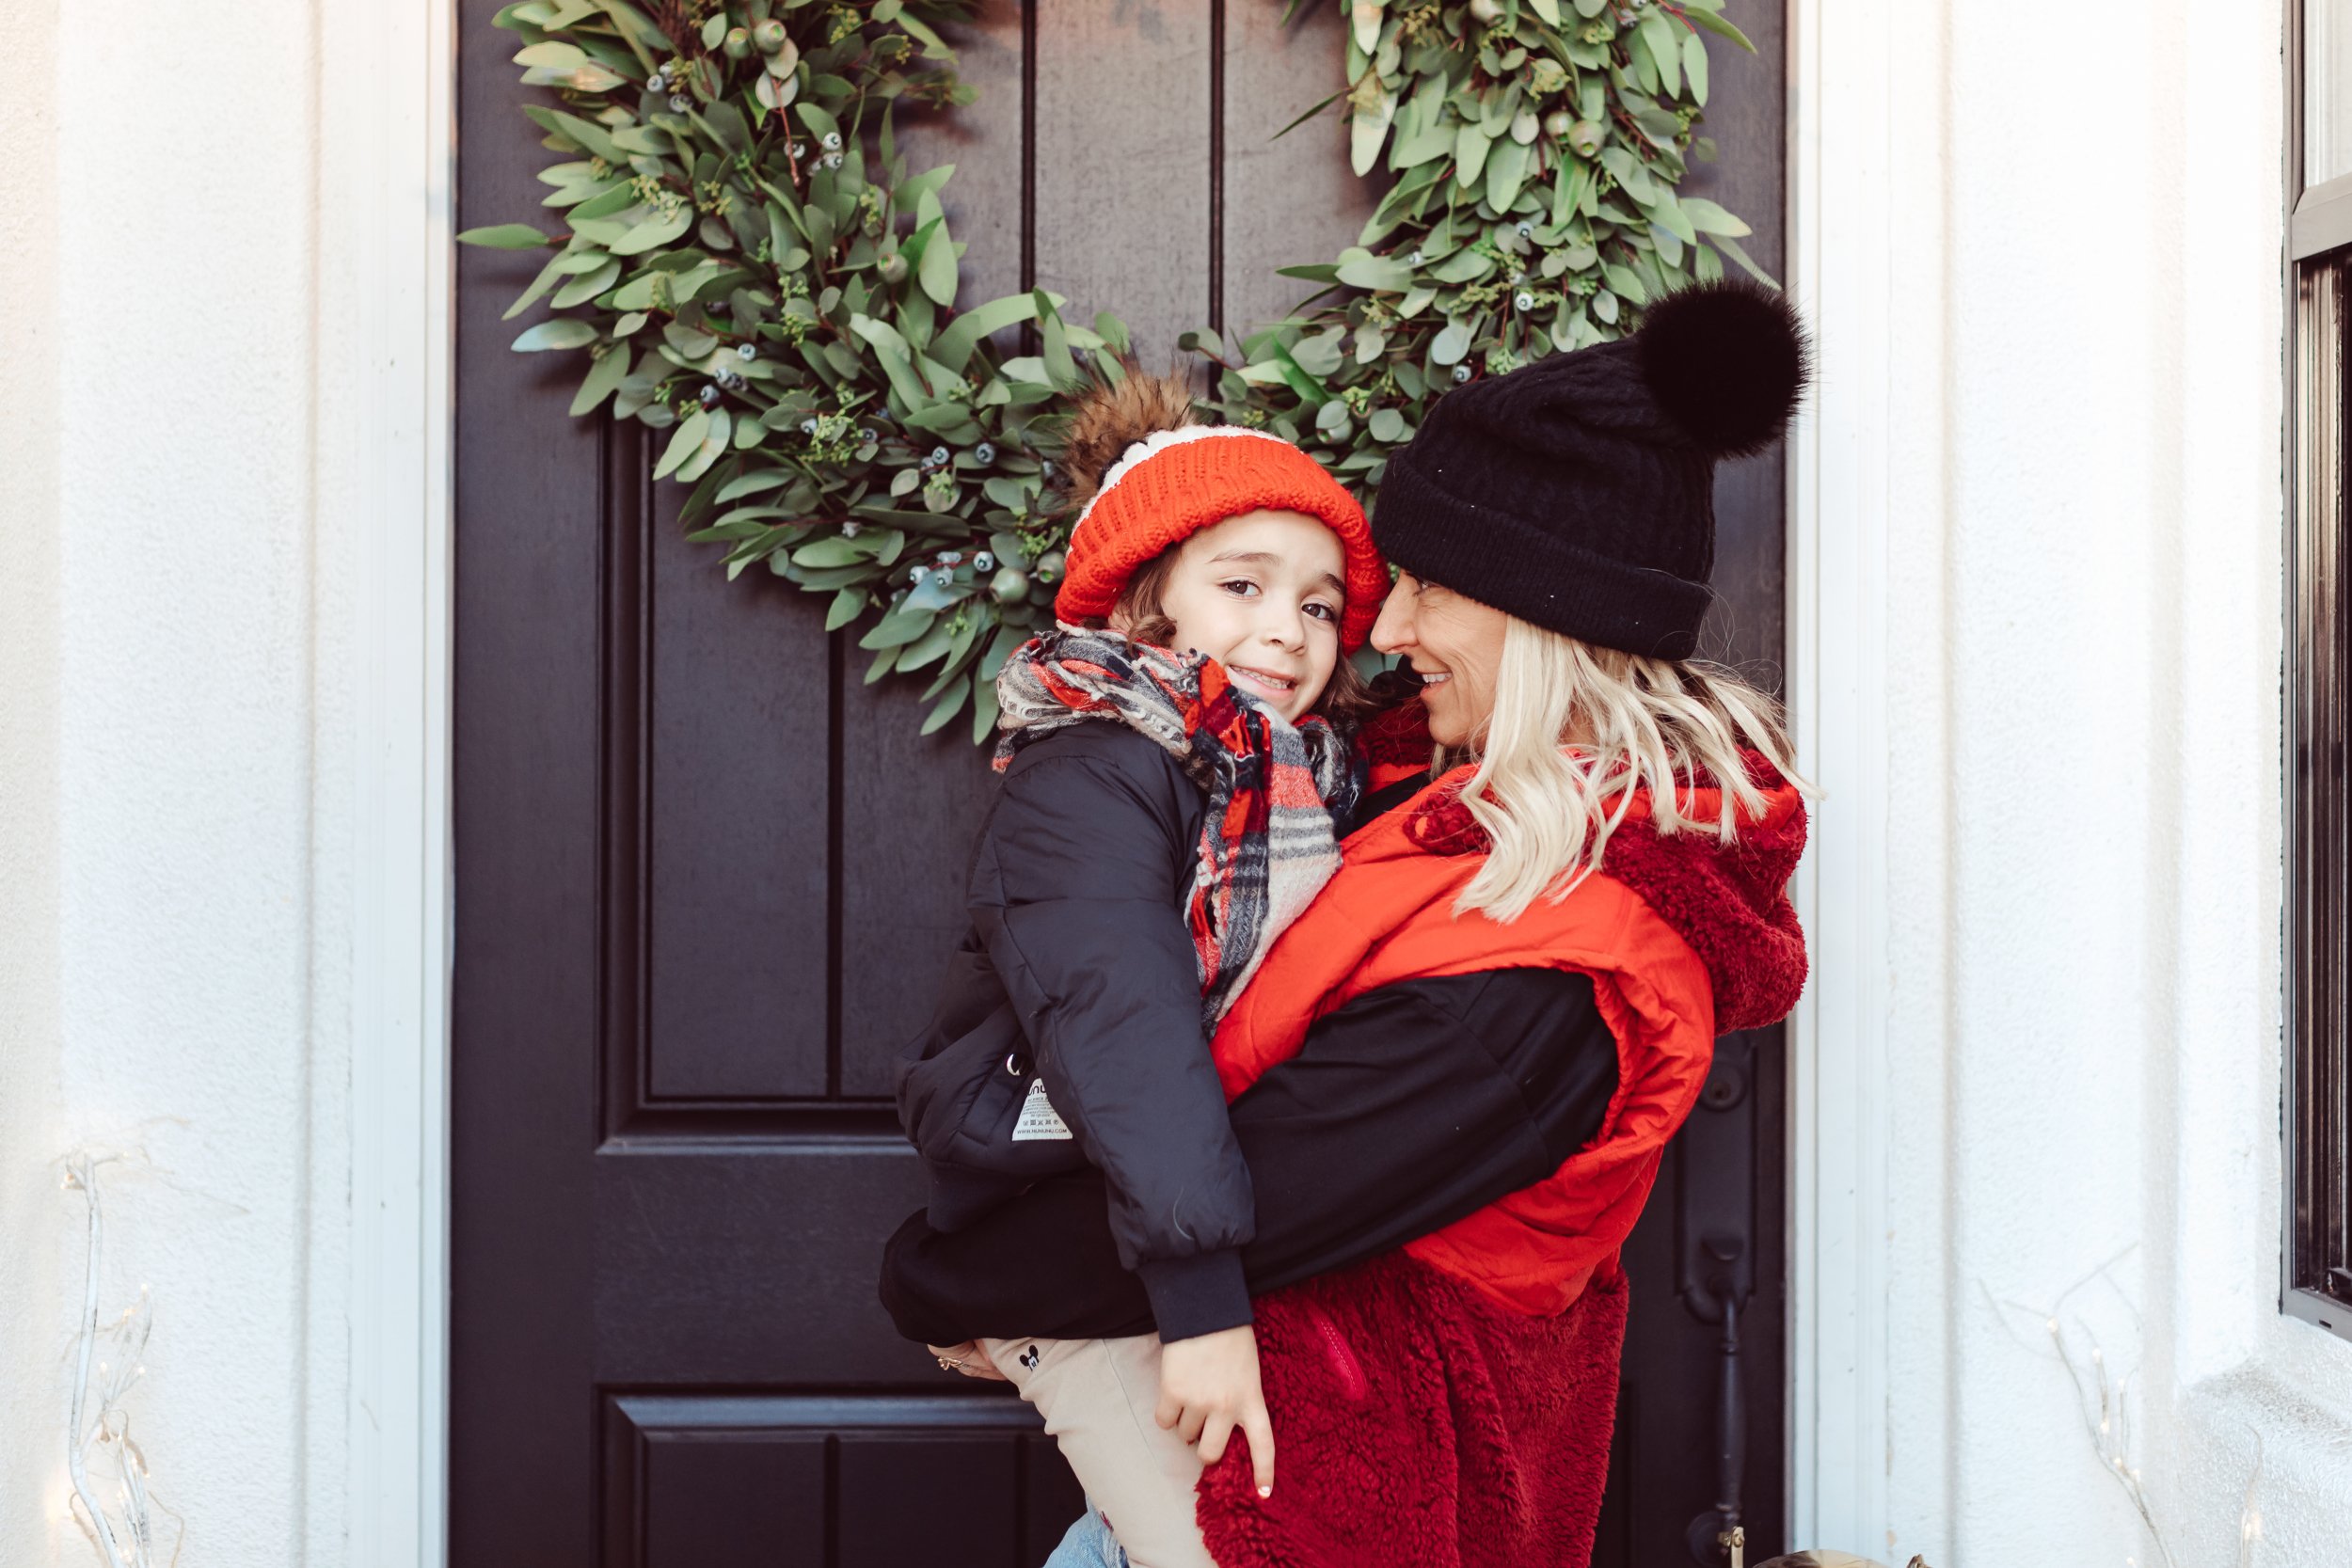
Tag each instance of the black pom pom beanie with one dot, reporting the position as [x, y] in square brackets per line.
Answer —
[1578, 492]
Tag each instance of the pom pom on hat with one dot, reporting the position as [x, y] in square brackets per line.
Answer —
[1110, 418]
[1727, 362]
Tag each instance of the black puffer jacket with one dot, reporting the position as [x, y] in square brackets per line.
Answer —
[1079, 970]
[1405, 1109]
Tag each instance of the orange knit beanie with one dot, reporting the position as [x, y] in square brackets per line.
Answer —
[1172, 484]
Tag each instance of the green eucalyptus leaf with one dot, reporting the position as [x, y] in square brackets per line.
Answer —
[714, 445]
[953, 347]
[1665, 51]
[1360, 269]
[938, 637]
[684, 442]
[1668, 214]
[984, 711]
[848, 605]
[1624, 282]
[505, 236]
[832, 550]
[898, 628]
[937, 271]
[934, 47]
[1470, 154]
[591, 136]
[1731, 248]
[1722, 28]
[1368, 126]
[1451, 346]
[1320, 356]
[587, 286]
[818, 120]
[553, 55]
[604, 377]
[563, 332]
[549, 277]
[1060, 369]
[949, 704]
[1506, 168]
[656, 231]
[1711, 219]
[1463, 266]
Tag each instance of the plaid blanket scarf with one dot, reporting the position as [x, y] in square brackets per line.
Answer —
[1274, 788]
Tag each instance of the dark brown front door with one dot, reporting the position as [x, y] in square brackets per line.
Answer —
[705, 878]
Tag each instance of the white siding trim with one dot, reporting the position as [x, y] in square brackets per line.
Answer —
[391, 70]
[1840, 226]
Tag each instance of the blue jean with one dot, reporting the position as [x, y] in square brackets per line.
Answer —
[1088, 1544]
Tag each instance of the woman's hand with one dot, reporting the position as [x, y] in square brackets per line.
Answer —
[967, 1358]
[1208, 1387]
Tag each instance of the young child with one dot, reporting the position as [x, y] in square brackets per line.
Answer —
[1173, 758]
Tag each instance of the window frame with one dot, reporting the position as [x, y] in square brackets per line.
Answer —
[2316, 1252]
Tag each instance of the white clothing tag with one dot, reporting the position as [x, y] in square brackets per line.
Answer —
[1038, 1120]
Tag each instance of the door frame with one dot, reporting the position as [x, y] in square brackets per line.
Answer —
[390, 131]
[1841, 226]
[393, 119]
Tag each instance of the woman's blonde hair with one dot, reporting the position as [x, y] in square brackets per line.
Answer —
[1576, 732]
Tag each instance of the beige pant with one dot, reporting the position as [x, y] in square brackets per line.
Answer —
[1098, 1397]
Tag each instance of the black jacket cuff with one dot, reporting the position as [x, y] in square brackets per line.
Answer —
[1195, 1295]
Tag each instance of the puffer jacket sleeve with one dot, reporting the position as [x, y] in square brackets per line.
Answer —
[1075, 892]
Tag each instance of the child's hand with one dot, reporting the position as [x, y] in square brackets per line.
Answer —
[967, 1358]
[1208, 1387]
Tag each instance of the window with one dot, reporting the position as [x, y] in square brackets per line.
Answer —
[2317, 1276]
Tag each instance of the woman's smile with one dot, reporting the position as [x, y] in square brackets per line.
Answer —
[1423, 623]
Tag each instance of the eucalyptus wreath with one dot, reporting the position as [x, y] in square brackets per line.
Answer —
[753, 269]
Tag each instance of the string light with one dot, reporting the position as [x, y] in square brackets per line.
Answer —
[123, 1531]
[2106, 1406]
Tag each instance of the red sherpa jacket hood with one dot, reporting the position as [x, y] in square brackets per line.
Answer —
[1684, 937]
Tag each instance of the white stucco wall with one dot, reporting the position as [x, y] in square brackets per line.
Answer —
[2083, 825]
[174, 759]
[29, 1019]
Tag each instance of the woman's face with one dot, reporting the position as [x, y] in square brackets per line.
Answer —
[1260, 594]
[1454, 643]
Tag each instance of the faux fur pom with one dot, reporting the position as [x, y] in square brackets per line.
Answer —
[1729, 361]
[1109, 420]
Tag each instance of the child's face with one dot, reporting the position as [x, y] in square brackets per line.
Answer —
[1261, 594]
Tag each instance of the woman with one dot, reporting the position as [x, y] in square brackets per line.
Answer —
[1464, 1061]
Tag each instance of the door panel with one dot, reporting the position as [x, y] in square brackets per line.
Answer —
[693, 1479]
[706, 875]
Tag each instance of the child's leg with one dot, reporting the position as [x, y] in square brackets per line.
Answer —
[1088, 1544]
[1098, 1397]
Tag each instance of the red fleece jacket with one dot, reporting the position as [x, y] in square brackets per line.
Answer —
[1455, 1407]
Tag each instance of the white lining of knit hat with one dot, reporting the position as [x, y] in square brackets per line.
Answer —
[1140, 453]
